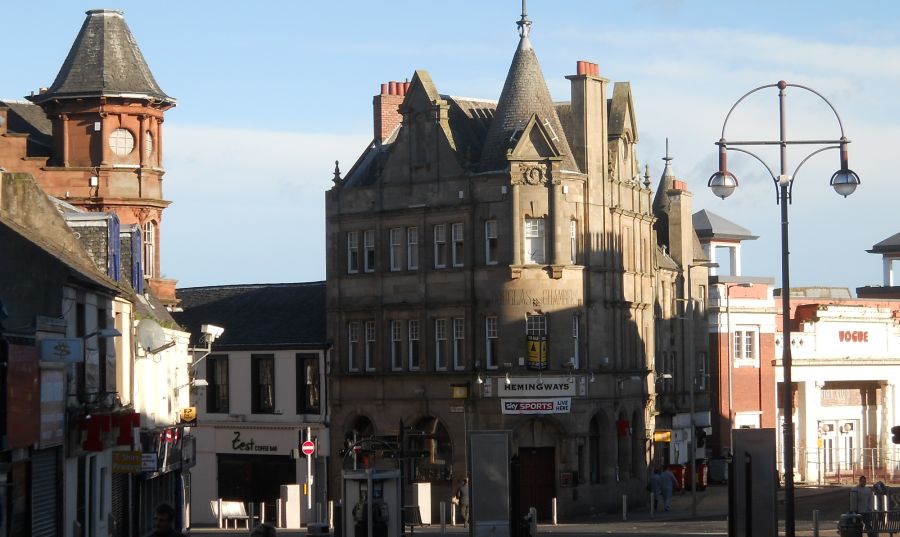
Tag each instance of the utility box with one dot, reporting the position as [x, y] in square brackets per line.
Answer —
[292, 507]
[371, 503]
[751, 484]
[489, 483]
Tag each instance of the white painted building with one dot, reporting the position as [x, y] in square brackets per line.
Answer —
[846, 368]
[264, 395]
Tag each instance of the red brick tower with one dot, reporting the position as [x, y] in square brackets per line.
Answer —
[107, 113]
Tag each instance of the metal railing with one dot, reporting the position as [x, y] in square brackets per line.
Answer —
[845, 466]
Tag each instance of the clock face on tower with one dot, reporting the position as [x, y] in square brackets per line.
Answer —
[121, 142]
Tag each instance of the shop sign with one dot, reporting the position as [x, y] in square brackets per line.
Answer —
[69, 350]
[853, 336]
[189, 416]
[149, 462]
[559, 405]
[536, 387]
[53, 405]
[127, 462]
[537, 352]
[256, 441]
[662, 436]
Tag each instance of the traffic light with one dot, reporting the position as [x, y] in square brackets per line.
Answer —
[700, 432]
[895, 430]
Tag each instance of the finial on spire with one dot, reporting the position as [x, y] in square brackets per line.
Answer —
[667, 158]
[524, 24]
[337, 173]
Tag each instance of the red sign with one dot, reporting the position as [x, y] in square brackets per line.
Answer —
[308, 447]
[854, 336]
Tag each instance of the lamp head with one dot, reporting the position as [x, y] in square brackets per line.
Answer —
[844, 181]
[723, 182]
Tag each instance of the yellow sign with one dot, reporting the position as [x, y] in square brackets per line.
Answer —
[126, 462]
[189, 416]
[460, 391]
[662, 436]
[820, 442]
[537, 352]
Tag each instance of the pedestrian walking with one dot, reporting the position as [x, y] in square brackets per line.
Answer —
[164, 522]
[462, 498]
[667, 483]
[654, 486]
[865, 503]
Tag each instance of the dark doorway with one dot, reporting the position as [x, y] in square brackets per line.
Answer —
[537, 480]
[254, 478]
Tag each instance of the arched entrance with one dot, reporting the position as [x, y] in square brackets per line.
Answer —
[430, 437]
[537, 442]
[600, 449]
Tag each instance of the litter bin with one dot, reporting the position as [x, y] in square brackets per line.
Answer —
[702, 470]
[678, 471]
[850, 525]
[317, 530]
[718, 471]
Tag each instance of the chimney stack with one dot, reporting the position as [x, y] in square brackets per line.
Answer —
[386, 109]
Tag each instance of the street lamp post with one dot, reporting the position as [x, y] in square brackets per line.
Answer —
[692, 361]
[844, 181]
[730, 346]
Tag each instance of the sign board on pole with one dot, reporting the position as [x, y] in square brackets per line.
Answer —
[308, 448]
[126, 462]
[149, 462]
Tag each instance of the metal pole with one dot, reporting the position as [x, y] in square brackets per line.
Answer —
[692, 452]
[815, 523]
[443, 518]
[624, 507]
[553, 510]
[786, 327]
[309, 474]
[730, 345]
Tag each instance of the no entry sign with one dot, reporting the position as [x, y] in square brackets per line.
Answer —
[308, 448]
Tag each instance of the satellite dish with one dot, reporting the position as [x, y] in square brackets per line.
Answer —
[150, 335]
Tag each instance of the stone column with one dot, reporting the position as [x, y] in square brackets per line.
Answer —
[559, 228]
[516, 213]
[142, 142]
[64, 119]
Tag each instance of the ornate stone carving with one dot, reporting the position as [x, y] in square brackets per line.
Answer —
[532, 174]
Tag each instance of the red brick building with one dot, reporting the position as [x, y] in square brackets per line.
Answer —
[94, 137]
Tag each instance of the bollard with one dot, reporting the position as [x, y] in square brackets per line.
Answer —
[453, 514]
[652, 497]
[815, 523]
[443, 518]
[252, 517]
[279, 514]
[219, 511]
[262, 512]
[532, 514]
[319, 512]
[624, 507]
[331, 515]
[553, 510]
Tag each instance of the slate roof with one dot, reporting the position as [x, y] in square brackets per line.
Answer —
[524, 93]
[709, 225]
[104, 61]
[280, 315]
[27, 118]
[888, 245]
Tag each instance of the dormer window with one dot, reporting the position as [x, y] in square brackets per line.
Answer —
[121, 142]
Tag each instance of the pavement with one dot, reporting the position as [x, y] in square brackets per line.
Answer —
[711, 517]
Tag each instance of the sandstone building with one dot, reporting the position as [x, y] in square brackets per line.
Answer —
[494, 265]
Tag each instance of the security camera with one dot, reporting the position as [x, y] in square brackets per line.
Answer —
[211, 331]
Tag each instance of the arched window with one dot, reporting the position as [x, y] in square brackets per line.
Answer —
[623, 448]
[638, 458]
[432, 440]
[598, 448]
[149, 260]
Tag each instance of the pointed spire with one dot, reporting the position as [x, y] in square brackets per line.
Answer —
[667, 171]
[666, 183]
[524, 93]
[104, 61]
[523, 23]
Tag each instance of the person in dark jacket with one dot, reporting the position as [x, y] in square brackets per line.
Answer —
[164, 521]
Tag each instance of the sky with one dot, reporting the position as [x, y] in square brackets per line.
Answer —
[271, 93]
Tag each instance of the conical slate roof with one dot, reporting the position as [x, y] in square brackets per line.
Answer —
[888, 245]
[524, 93]
[104, 61]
